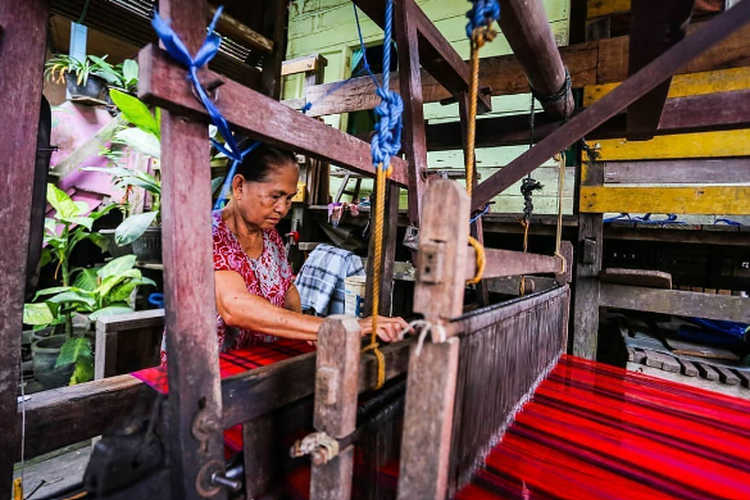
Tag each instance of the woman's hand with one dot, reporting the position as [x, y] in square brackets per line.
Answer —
[389, 329]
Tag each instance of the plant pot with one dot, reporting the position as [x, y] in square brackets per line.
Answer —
[45, 352]
[44, 333]
[113, 248]
[147, 248]
[92, 89]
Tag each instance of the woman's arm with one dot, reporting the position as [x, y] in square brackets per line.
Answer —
[293, 301]
[242, 309]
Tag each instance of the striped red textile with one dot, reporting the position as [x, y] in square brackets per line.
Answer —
[592, 431]
[233, 363]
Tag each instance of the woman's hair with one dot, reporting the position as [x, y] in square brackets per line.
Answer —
[263, 160]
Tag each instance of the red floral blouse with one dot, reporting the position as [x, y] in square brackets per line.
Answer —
[269, 276]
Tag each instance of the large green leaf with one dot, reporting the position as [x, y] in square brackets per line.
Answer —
[61, 202]
[37, 314]
[112, 281]
[135, 111]
[84, 370]
[123, 290]
[130, 72]
[143, 141]
[117, 266]
[99, 240]
[73, 297]
[87, 279]
[133, 227]
[73, 349]
[51, 291]
[110, 310]
[86, 222]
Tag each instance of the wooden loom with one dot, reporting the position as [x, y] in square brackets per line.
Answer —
[197, 398]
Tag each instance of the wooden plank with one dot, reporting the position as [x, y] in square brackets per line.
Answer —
[425, 446]
[639, 355]
[240, 33]
[128, 342]
[730, 53]
[744, 378]
[501, 263]
[194, 384]
[676, 302]
[22, 50]
[653, 29]
[438, 294]
[729, 200]
[313, 63]
[688, 368]
[707, 371]
[410, 83]
[643, 81]
[727, 376]
[686, 85]
[695, 171]
[663, 361]
[526, 27]
[163, 83]
[336, 404]
[602, 8]
[734, 391]
[636, 277]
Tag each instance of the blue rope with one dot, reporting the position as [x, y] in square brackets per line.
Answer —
[728, 222]
[481, 15]
[479, 215]
[387, 142]
[228, 180]
[177, 49]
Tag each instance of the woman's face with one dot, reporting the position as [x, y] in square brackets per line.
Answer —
[264, 204]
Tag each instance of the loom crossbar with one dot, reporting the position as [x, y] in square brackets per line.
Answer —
[163, 83]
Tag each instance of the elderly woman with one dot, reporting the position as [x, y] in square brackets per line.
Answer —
[256, 299]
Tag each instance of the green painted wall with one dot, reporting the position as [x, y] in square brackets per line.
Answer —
[327, 27]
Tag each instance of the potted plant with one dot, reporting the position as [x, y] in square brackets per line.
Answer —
[123, 76]
[77, 76]
[80, 291]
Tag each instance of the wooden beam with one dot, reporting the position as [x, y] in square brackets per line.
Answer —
[728, 200]
[248, 396]
[308, 64]
[22, 50]
[410, 83]
[274, 25]
[240, 33]
[163, 83]
[690, 171]
[602, 8]
[525, 25]
[654, 27]
[502, 263]
[640, 83]
[718, 111]
[676, 302]
[194, 400]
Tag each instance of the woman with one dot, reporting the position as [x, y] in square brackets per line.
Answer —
[255, 296]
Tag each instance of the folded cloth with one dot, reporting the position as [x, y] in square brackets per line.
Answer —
[321, 280]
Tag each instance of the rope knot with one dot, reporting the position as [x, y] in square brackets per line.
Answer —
[481, 15]
[528, 186]
[386, 143]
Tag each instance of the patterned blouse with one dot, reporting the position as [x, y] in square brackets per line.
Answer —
[269, 276]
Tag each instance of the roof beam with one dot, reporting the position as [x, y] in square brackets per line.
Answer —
[613, 103]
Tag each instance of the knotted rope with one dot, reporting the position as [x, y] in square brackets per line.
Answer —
[385, 145]
[178, 51]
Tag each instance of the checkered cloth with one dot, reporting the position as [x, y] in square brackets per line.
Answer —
[321, 280]
[232, 363]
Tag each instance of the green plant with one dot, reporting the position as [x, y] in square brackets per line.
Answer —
[123, 75]
[56, 68]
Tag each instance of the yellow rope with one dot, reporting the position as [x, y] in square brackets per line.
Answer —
[481, 261]
[382, 174]
[17, 489]
[560, 185]
[526, 224]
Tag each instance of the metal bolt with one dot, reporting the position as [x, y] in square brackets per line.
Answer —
[219, 479]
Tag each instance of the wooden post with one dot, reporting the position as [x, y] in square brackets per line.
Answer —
[194, 402]
[431, 379]
[261, 455]
[588, 265]
[390, 240]
[410, 82]
[274, 27]
[336, 374]
[22, 49]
